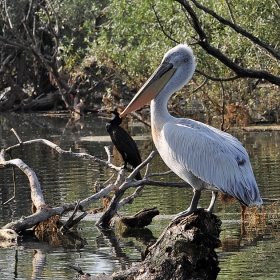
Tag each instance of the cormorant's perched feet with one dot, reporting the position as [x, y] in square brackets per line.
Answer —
[124, 166]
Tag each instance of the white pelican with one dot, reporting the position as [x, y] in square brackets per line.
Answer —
[203, 156]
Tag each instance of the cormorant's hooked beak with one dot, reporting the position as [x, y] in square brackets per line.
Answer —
[106, 115]
[151, 88]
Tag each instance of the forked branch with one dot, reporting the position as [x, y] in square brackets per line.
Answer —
[43, 212]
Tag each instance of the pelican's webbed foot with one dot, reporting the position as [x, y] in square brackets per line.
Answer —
[186, 213]
[193, 206]
[194, 203]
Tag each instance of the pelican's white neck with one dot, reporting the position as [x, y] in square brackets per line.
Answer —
[159, 111]
[183, 61]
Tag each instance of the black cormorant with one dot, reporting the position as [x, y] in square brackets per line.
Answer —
[122, 140]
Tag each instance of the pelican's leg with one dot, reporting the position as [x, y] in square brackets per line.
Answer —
[193, 206]
[213, 199]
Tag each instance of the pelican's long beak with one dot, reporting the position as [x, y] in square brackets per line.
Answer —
[151, 88]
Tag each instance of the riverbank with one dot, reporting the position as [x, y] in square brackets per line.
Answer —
[258, 128]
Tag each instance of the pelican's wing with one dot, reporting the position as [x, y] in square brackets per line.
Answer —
[214, 156]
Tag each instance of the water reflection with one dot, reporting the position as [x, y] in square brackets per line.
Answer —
[246, 252]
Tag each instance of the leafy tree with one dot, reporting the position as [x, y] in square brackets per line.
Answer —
[241, 39]
[51, 45]
[39, 42]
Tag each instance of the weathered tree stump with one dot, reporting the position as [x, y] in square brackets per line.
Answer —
[185, 250]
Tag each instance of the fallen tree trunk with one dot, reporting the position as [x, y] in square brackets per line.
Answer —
[141, 219]
[41, 102]
[41, 211]
[185, 250]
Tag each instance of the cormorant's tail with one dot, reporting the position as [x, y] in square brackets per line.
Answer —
[138, 176]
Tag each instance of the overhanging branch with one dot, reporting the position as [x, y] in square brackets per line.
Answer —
[203, 42]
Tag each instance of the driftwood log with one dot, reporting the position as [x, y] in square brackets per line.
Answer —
[141, 219]
[42, 211]
[185, 250]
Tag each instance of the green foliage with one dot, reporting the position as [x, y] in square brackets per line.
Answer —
[133, 42]
[78, 24]
[131, 36]
[261, 18]
[133, 39]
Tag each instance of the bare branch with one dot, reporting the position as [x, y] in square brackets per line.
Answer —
[29, 42]
[108, 150]
[208, 77]
[230, 12]
[107, 182]
[9, 43]
[15, 188]
[44, 212]
[36, 192]
[159, 174]
[131, 197]
[277, 3]
[6, 62]
[55, 32]
[17, 136]
[7, 14]
[73, 220]
[61, 151]
[28, 14]
[201, 85]
[203, 42]
[238, 29]
[162, 28]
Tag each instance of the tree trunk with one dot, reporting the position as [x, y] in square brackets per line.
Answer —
[185, 250]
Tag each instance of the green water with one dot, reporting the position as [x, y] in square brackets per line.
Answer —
[249, 251]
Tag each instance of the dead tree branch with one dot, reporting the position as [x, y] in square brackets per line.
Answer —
[161, 26]
[43, 212]
[73, 220]
[30, 42]
[36, 192]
